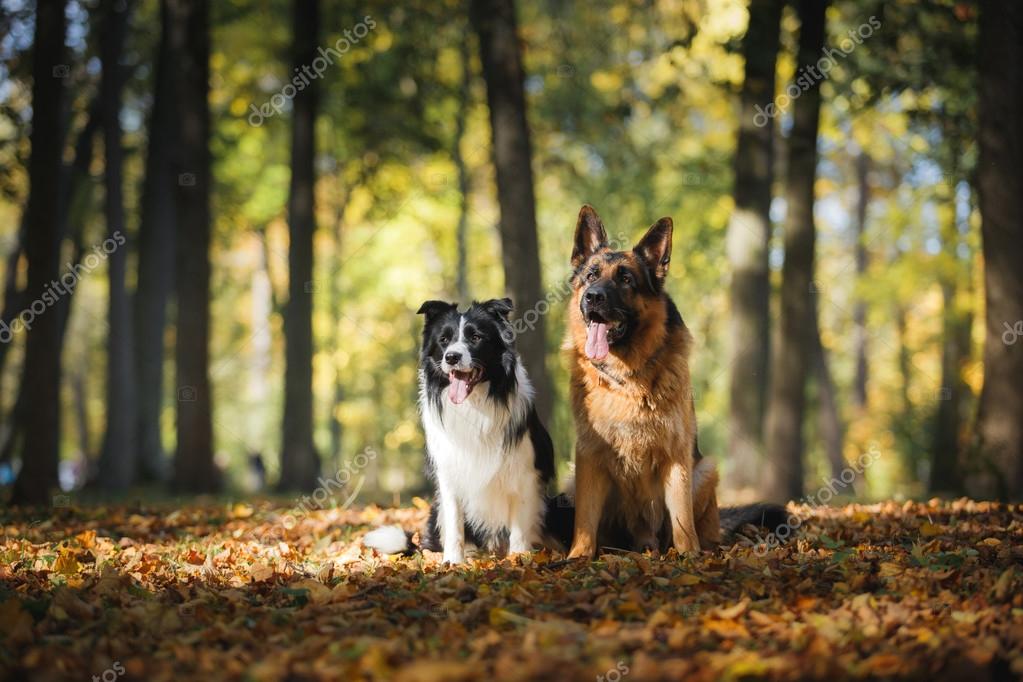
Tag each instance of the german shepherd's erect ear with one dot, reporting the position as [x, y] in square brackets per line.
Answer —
[655, 249]
[590, 236]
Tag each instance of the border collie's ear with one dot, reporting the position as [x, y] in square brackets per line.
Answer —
[499, 307]
[655, 248]
[590, 236]
[434, 308]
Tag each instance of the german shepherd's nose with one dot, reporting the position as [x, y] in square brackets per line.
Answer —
[596, 295]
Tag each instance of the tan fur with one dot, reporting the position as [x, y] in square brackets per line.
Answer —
[635, 432]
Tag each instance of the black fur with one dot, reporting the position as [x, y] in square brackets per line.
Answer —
[560, 523]
[495, 353]
[495, 350]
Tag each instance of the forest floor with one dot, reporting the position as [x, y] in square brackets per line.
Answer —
[260, 592]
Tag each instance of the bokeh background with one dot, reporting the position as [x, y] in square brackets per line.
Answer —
[334, 209]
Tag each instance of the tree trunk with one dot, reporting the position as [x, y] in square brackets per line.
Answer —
[300, 463]
[901, 333]
[795, 340]
[461, 232]
[946, 474]
[860, 309]
[194, 470]
[1000, 186]
[40, 421]
[749, 231]
[117, 462]
[81, 412]
[155, 262]
[74, 199]
[831, 426]
[494, 22]
[13, 302]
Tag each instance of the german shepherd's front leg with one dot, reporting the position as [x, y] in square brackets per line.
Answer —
[591, 487]
[705, 504]
[678, 497]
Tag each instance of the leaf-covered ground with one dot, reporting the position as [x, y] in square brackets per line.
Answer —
[885, 591]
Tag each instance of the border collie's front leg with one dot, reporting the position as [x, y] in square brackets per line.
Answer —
[452, 524]
[526, 519]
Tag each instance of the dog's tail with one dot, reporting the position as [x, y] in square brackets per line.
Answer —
[767, 517]
[397, 540]
[389, 540]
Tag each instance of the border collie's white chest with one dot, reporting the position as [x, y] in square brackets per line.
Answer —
[483, 458]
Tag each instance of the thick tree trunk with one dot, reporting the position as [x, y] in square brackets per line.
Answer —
[495, 23]
[74, 198]
[1000, 186]
[40, 420]
[157, 229]
[946, 473]
[461, 232]
[194, 470]
[860, 309]
[795, 341]
[117, 463]
[300, 463]
[832, 427]
[749, 231]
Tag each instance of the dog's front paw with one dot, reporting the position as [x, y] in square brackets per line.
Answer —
[580, 552]
[453, 558]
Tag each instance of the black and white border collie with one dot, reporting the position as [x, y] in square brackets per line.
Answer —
[489, 456]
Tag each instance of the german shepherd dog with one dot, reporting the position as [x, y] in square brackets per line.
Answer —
[640, 477]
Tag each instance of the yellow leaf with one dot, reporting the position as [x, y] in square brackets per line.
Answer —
[499, 617]
[732, 612]
[1003, 584]
[87, 539]
[889, 569]
[929, 530]
[686, 579]
[66, 563]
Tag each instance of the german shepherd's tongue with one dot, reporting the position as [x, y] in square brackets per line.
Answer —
[596, 340]
[459, 389]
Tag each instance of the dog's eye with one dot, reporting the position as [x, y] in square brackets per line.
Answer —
[476, 338]
[444, 340]
[591, 276]
[626, 278]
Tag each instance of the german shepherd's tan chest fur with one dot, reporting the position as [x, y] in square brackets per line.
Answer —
[636, 452]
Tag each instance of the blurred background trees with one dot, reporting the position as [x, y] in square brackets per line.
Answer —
[291, 179]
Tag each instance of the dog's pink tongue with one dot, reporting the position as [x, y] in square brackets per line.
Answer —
[596, 341]
[459, 389]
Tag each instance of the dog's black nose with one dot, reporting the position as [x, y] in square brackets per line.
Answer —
[453, 358]
[595, 296]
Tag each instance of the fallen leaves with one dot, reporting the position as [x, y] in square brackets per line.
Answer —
[252, 591]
